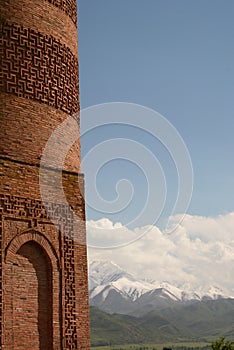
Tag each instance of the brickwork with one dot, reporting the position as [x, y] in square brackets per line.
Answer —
[43, 255]
[68, 6]
[62, 247]
[32, 276]
[38, 67]
[43, 17]
[35, 122]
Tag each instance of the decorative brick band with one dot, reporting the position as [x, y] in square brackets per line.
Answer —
[17, 208]
[68, 6]
[39, 67]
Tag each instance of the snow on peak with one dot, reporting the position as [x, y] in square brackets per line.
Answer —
[105, 276]
[102, 272]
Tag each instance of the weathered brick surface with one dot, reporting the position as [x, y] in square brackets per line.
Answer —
[38, 67]
[32, 276]
[44, 16]
[26, 126]
[43, 280]
[68, 6]
[29, 220]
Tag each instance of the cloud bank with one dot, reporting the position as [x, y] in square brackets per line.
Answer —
[199, 252]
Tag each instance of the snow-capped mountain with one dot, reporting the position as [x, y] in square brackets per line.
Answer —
[115, 290]
[102, 272]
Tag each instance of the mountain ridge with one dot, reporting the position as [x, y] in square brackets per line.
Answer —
[201, 321]
[115, 290]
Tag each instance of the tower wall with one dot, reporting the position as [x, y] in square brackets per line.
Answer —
[42, 242]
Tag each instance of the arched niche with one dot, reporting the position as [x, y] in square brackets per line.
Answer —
[32, 295]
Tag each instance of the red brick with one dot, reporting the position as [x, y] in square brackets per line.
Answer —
[43, 254]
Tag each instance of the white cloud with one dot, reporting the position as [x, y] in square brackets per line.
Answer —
[200, 251]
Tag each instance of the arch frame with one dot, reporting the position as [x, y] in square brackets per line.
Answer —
[36, 236]
[11, 258]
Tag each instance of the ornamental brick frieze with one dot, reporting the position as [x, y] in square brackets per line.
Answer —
[12, 208]
[38, 67]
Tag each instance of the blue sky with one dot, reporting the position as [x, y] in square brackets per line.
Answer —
[175, 57]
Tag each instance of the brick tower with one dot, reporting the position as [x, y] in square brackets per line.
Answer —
[43, 281]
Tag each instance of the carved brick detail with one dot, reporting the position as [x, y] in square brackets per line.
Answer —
[71, 341]
[68, 6]
[39, 67]
[35, 211]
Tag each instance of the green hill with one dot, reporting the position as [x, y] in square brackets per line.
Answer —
[117, 329]
[204, 320]
[109, 329]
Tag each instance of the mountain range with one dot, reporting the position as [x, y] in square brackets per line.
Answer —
[200, 321]
[114, 290]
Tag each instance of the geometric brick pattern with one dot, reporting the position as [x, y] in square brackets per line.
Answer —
[38, 67]
[68, 6]
[43, 253]
[36, 212]
[71, 341]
